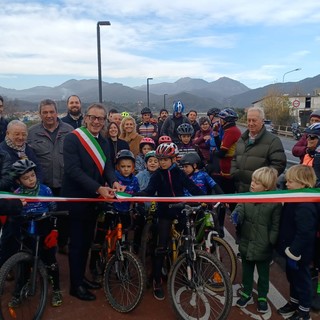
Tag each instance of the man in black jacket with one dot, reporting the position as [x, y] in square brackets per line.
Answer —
[88, 173]
[74, 116]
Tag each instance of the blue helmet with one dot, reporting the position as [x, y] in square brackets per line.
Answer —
[313, 129]
[178, 106]
[228, 115]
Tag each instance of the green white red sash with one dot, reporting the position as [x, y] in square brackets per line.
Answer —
[92, 147]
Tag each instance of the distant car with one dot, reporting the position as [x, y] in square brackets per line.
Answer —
[269, 125]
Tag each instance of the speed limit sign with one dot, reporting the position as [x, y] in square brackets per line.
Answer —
[295, 103]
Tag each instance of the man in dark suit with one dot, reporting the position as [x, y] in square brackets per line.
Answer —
[88, 173]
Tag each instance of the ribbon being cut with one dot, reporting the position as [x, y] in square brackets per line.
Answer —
[302, 195]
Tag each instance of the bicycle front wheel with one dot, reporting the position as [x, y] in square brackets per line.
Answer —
[224, 253]
[192, 288]
[18, 300]
[124, 282]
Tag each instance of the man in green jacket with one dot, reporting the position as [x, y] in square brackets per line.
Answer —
[256, 148]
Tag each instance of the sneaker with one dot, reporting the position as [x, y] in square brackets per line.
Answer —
[300, 315]
[56, 299]
[244, 301]
[158, 291]
[14, 302]
[262, 306]
[288, 309]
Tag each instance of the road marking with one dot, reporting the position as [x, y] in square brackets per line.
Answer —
[274, 296]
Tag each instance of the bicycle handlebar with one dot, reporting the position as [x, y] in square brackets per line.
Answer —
[40, 216]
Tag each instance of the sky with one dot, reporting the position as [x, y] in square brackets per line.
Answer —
[45, 43]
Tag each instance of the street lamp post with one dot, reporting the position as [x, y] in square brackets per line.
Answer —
[100, 23]
[148, 79]
[298, 69]
[164, 100]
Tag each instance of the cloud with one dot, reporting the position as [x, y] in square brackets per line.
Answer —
[167, 39]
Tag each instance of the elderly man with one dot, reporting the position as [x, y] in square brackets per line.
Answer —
[256, 148]
[74, 116]
[46, 139]
[15, 144]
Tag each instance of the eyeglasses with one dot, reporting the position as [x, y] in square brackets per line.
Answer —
[94, 118]
[312, 137]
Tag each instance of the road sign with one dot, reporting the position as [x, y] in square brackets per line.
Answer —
[295, 103]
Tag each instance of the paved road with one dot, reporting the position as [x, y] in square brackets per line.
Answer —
[152, 309]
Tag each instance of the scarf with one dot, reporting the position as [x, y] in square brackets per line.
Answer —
[21, 151]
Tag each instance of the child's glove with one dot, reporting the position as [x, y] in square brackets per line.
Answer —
[234, 217]
[51, 240]
[293, 264]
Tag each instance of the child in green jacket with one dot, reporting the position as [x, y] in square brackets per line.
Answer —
[259, 228]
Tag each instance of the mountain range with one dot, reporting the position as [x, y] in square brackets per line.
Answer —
[195, 93]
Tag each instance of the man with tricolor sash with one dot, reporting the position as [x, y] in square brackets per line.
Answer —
[88, 174]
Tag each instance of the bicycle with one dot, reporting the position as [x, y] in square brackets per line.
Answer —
[207, 235]
[23, 277]
[149, 245]
[124, 276]
[199, 286]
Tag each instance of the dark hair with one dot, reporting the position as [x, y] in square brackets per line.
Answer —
[108, 128]
[47, 102]
[193, 111]
[112, 111]
[1, 99]
[73, 95]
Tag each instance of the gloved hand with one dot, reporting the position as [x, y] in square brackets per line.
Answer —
[51, 240]
[234, 217]
[293, 264]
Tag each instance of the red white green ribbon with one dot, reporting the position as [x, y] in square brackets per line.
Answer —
[302, 195]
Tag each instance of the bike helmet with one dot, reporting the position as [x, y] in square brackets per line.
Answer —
[164, 139]
[185, 128]
[149, 154]
[167, 150]
[178, 107]
[313, 129]
[213, 112]
[21, 167]
[125, 154]
[125, 114]
[228, 115]
[190, 158]
[145, 110]
[147, 140]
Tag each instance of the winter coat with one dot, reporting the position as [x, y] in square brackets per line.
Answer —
[259, 223]
[298, 228]
[49, 153]
[266, 150]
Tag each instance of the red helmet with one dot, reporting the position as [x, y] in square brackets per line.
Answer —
[164, 139]
[167, 150]
[147, 140]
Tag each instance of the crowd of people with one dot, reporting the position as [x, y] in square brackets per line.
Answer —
[94, 154]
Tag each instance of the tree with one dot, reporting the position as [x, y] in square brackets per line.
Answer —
[277, 107]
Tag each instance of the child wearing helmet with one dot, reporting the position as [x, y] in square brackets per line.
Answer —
[168, 181]
[146, 145]
[169, 127]
[125, 166]
[191, 163]
[24, 173]
[152, 164]
[164, 139]
[147, 127]
[185, 132]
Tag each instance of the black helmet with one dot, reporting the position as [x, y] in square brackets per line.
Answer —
[145, 110]
[228, 115]
[125, 154]
[190, 158]
[21, 167]
[185, 128]
[213, 112]
[313, 129]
